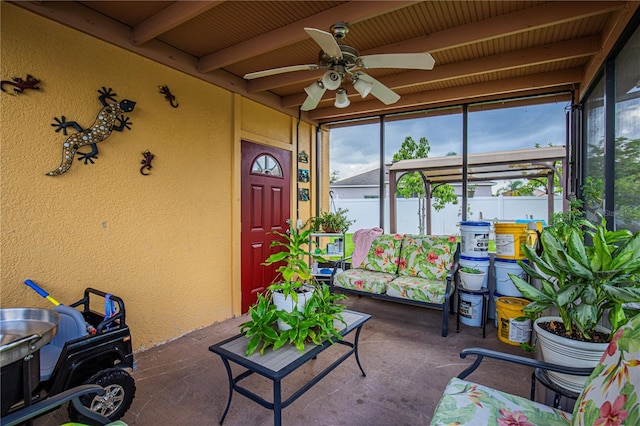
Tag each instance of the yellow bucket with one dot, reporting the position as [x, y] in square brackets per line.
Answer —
[510, 237]
[510, 331]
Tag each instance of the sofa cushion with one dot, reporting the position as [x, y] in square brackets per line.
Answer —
[383, 254]
[467, 403]
[427, 256]
[420, 289]
[363, 280]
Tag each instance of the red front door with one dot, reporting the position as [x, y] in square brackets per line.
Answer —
[265, 206]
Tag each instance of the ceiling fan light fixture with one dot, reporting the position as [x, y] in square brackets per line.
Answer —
[342, 100]
[331, 80]
[315, 90]
[362, 87]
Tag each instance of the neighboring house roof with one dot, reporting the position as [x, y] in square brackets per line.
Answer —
[370, 178]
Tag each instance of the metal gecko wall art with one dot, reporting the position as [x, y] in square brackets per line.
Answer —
[20, 85]
[168, 95]
[147, 158]
[109, 118]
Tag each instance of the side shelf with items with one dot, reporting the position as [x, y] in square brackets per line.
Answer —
[331, 247]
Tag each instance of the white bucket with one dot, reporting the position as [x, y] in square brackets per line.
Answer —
[470, 309]
[478, 263]
[474, 239]
[504, 285]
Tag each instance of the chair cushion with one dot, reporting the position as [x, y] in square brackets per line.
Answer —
[363, 280]
[427, 256]
[467, 403]
[610, 395]
[420, 289]
[383, 254]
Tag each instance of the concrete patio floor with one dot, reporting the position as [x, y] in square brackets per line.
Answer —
[407, 362]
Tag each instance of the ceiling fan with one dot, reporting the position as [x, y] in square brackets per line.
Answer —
[344, 63]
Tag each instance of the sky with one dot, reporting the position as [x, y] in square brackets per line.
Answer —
[355, 149]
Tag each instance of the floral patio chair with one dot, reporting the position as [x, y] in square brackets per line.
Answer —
[610, 395]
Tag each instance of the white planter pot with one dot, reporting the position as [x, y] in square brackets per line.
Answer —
[289, 305]
[563, 351]
[471, 281]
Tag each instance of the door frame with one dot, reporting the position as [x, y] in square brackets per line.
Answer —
[236, 209]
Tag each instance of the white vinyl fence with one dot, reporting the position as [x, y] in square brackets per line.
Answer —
[446, 221]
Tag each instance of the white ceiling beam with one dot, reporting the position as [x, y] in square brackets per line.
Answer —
[353, 11]
[169, 18]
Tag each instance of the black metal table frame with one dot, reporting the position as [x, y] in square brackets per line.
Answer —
[276, 376]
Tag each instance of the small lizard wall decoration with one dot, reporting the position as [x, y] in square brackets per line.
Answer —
[105, 123]
[167, 95]
[146, 162]
[20, 85]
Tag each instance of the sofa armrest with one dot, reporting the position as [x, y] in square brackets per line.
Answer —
[481, 353]
[452, 276]
[337, 264]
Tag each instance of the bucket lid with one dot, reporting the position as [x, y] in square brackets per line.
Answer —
[476, 259]
[474, 223]
[499, 259]
[511, 225]
[513, 301]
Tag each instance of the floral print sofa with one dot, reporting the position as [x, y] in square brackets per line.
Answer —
[609, 398]
[413, 269]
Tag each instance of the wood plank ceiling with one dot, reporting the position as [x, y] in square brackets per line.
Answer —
[483, 50]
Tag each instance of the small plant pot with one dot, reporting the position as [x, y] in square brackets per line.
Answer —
[471, 281]
[289, 305]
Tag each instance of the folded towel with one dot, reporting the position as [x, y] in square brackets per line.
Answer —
[362, 240]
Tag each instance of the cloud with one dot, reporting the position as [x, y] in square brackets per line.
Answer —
[356, 149]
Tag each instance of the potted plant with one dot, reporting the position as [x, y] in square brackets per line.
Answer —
[471, 278]
[584, 283]
[296, 309]
[471, 190]
[332, 222]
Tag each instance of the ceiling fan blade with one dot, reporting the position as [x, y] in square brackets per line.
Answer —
[325, 40]
[281, 70]
[379, 90]
[415, 61]
[310, 103]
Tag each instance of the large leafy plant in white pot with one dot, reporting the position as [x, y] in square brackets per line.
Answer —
[585, 283]
[294, 285]
[296, 309]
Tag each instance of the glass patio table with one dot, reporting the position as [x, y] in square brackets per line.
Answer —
[276, 365]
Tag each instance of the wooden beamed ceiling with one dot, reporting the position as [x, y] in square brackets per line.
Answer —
[484, 50]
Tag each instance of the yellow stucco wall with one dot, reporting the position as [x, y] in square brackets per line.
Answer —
[167, 243]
